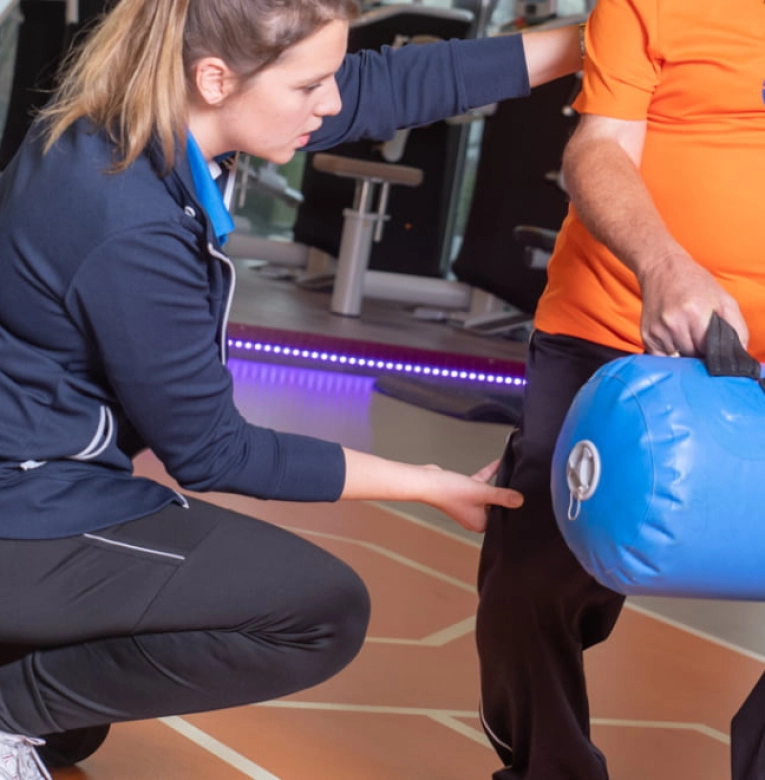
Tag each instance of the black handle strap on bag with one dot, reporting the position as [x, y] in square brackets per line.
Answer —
[725, 355]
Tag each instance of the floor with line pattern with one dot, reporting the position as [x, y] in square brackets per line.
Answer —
[663, 691]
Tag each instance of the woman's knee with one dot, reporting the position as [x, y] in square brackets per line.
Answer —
[325, 612]
[346, 610]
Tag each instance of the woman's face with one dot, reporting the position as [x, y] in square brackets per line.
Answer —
[275, 113]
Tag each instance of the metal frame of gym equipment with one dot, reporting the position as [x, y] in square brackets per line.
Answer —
[6, 7]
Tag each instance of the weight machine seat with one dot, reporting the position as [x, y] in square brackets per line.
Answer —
[377, 172]
[363, 223]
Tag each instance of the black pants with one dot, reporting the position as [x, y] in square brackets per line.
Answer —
[538, 608]
[184, 611]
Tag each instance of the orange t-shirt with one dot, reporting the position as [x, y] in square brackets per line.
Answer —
[695, 71]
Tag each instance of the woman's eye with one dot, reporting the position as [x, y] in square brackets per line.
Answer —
[311, 87]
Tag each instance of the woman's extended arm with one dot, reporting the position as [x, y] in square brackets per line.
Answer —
[461, 497]
[418, 84]
[551, 54]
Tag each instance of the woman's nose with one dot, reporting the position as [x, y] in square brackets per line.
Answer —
[331, 102]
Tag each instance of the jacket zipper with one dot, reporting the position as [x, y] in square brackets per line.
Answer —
[223, 334]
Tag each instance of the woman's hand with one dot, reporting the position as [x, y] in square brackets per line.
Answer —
[461, 497]
[467, 499]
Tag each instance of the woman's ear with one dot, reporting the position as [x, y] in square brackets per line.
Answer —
[214, 80]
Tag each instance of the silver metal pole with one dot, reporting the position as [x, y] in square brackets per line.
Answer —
[72, 11]
[355, 247]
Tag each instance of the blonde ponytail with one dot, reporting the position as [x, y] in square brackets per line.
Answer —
[130, 77]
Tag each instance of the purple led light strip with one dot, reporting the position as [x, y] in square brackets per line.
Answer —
[329, 358]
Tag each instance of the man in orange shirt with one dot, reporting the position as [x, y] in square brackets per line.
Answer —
[664, 171]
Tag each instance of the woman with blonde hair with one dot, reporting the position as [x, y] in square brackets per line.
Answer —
[124, 599]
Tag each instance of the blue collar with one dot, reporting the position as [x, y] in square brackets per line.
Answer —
[207, 191]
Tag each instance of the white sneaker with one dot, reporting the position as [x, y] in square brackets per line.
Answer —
[19, 759]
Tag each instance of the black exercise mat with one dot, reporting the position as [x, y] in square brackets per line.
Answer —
[478, 403]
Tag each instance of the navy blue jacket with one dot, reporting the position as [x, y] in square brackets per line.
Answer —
[114, 297]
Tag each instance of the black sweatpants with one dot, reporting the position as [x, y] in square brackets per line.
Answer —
[538, 608]
[183, 611]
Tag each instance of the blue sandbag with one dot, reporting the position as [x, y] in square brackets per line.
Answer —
[658, 479]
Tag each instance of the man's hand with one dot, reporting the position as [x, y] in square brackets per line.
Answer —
[679, 298]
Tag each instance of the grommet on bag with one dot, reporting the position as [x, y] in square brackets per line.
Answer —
[582, 475]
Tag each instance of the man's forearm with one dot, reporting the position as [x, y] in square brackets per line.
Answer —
[614, 204]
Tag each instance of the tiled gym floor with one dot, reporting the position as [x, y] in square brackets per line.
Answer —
[405, 709]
